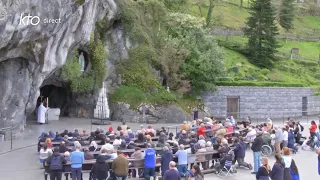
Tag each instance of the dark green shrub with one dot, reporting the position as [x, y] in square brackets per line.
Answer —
[254, 83]
[264, 71]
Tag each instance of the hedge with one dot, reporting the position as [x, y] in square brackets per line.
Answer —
[253, 83]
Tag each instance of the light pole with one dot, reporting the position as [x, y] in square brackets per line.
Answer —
[11, 132]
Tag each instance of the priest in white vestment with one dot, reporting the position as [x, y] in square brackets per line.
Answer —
[42, 114]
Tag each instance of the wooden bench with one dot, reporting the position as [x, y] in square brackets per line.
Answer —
[87, 164]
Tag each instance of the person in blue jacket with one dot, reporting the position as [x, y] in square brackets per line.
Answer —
[291, 141]
[318, 152]
[149, 162]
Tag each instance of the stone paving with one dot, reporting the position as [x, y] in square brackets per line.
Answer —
[23, 164]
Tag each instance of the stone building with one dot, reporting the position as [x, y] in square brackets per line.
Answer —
[261, 102]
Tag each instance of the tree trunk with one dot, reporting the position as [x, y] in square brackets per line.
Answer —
[241, 3]
[211, 6]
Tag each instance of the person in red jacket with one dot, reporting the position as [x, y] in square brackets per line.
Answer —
[313, 129]
[201, 130]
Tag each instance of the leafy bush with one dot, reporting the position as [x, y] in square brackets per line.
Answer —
[253, 83]
[136, 72]
[82, 84]
[161, 97]
[98, 56]
[71, 70]
[85, 83]
[317, 76]
[80, 2]
[307, 63]
[135, 96]
[129, 94]
[264, 71]
[261, 77]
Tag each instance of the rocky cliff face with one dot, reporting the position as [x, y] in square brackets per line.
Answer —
[35, 38]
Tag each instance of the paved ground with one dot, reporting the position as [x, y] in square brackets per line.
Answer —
[23, 163]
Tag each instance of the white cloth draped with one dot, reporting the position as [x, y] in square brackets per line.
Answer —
[42, 114]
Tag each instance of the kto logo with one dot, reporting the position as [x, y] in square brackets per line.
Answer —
[26, 20]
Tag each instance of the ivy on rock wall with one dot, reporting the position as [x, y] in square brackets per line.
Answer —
[175, 44]
[83, 83]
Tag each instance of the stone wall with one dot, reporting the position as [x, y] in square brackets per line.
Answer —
[261, 102]
[313, 105]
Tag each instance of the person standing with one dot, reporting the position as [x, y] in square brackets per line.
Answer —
[285, 136]
[76, 158]
[195, 113]
[55, 163]
[182, 160]
[41, 114]
[278, 139]
[256, 148]
[313, 129]
[263, 172]
[277, 169]
[290, 168]
[171, 173]
[149, 162]
[166, 158]
[100, 169]
[120, 166]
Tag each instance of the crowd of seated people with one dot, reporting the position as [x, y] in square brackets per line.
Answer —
[195, 135]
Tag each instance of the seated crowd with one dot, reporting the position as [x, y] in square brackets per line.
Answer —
[195, 144]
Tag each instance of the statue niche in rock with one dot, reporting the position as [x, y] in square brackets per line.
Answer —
[81, 62]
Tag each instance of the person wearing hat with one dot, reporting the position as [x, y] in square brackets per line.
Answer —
[109, 131]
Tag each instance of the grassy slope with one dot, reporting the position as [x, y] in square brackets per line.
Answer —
[285, 70]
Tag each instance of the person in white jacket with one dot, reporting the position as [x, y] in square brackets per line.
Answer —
[251, 135]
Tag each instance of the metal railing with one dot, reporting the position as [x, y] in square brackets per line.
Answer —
[3, 131]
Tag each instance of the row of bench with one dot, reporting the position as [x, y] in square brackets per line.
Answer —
[87, 164]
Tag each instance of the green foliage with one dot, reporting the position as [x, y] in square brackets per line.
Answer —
[317, 75]
[80, 2]
[261, 30]
[101, 28]
[209, 15]
[180, 25]
[316, 94]
[175, 5]
[85, 83]
[136, 70]
[82, 84]
[71, 69]
[307, 63]
[129, 94]
[253, 83]
[265, 71]
[142, 21]
[172, 57]
[135, 96]
[286, 14]
[97, 56]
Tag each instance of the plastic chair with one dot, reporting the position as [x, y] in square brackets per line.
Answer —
[226, 170]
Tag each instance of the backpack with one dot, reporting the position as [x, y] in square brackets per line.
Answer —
[302, 128]
[55, 163]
